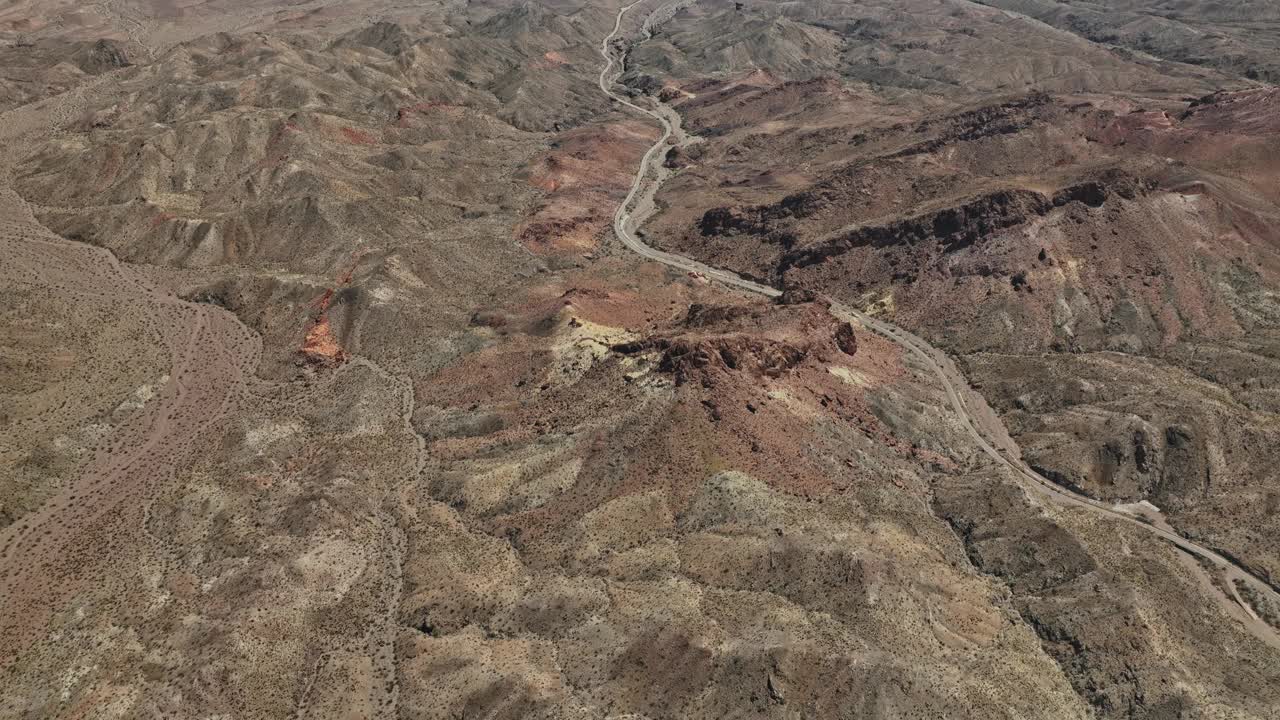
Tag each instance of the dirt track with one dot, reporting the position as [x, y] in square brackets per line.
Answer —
[78, 537]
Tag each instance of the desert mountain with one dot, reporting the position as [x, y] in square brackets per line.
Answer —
[358, 360]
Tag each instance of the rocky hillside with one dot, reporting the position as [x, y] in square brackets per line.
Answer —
[328, 391]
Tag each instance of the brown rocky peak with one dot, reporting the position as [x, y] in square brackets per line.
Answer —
[762, 341]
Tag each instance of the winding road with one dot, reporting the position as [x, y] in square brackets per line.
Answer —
[977, 418]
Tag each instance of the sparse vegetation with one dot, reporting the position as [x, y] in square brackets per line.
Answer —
[330, 387]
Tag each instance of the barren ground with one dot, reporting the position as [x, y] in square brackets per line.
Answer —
[334, 387]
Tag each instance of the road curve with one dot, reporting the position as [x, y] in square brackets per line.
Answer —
[977, 418]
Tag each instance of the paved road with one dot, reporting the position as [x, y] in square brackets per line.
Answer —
[977, 418]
